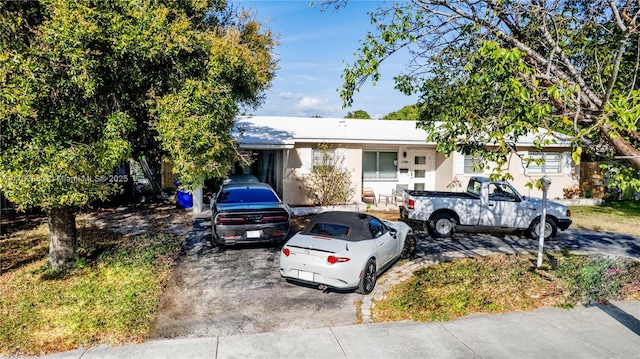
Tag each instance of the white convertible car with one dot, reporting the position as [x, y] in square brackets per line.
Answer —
[345, 250]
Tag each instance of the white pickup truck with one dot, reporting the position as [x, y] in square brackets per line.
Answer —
[484, 204]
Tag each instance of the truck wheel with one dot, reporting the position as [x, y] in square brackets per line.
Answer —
[442, 225]
[550, 228]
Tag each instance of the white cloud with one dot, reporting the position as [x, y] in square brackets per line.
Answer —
[290, 95]
[310, 106]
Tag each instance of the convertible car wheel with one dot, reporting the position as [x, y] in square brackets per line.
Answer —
[368, 279]
[409, 246]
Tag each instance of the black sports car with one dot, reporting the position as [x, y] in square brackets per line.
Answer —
[248, 212]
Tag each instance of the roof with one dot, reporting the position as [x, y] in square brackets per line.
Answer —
[358, 223]
[272, 132]
[265, 132]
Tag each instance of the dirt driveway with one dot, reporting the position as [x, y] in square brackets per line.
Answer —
[240, 291]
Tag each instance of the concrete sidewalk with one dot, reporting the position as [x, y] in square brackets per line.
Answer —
[595, 331]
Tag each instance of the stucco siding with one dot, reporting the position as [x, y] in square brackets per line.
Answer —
[300, 165]
[567, 177]
[418, 163]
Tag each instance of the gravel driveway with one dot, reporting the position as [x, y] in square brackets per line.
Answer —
[240, 291]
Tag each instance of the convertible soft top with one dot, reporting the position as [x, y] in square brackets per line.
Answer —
[358, 224]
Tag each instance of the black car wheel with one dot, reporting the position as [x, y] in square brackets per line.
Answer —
[409, 246]
[369, 277]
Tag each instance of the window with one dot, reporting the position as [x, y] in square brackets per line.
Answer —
[376, 227]
[551, 163]
[247, 195]
[330, 230]
[501, 192]
[470, 162]
[324, 157]
[379, 165]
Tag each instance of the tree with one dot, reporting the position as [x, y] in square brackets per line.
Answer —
[86, 83]
[359, 114]
[409, 113]
[491, 72]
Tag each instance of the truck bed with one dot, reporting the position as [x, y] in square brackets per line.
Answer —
[416, 193]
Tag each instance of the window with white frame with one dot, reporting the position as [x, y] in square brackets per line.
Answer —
[550, 162]
[322, 157]
[470, 164]
[379, 165]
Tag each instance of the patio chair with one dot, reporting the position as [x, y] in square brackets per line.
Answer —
[368, 193]
[395, 196]
[398, 192]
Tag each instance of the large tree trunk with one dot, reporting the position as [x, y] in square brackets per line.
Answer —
[63, 241]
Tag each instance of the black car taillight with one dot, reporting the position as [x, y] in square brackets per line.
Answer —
[226, 219]
[275, 218]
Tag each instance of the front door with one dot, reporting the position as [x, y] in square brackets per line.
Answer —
[421, 170]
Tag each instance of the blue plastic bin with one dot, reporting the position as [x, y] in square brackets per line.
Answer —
[185, 199]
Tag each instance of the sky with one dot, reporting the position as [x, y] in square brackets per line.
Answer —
[314, 49]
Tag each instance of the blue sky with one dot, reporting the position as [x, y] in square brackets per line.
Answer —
[314, 49]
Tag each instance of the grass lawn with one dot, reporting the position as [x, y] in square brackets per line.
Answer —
[617, 217]
[110, 297]
[504, 283]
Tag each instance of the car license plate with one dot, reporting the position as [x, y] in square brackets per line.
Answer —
[308, 276]
[253, 234]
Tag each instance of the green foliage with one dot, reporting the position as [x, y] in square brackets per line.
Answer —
[490, 73]
[329, 183]
[503, 283]
[449, 290]
[359, 114]
[409, 113]
[596, 279]
[87, 84]
[623, 182]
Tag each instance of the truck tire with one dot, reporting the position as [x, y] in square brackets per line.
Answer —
[550, 228]
[442, 225]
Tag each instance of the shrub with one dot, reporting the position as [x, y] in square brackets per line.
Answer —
[329, 183]
[595, 278]
[570, 193]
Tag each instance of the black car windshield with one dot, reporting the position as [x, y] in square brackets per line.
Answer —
[247, 195]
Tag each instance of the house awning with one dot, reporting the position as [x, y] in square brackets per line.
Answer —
[261, 136]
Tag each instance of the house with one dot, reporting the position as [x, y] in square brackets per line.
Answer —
[379, 154]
